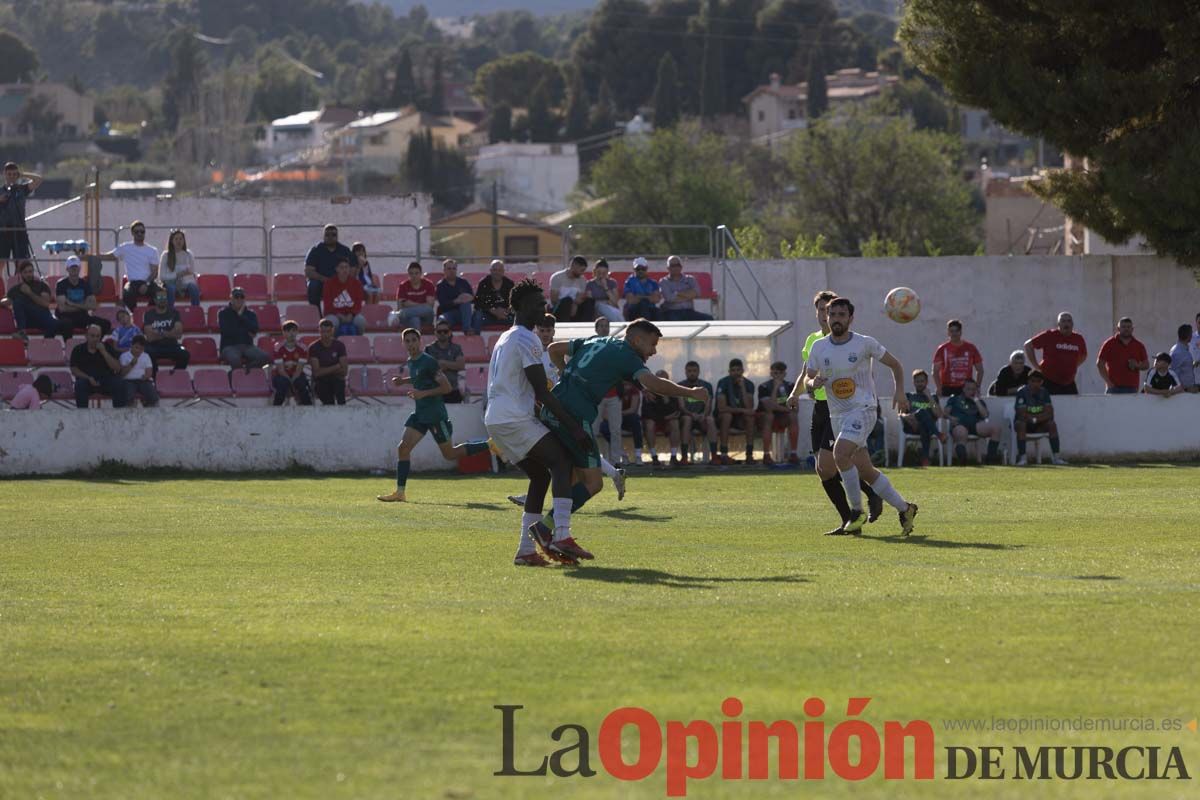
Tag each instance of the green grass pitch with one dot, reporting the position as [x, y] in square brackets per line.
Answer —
[253, 637]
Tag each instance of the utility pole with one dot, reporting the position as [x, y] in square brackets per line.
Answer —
[495, 221]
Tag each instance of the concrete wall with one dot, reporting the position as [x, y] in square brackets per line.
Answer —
[1001, 301]
[354, 437]
[214, 235]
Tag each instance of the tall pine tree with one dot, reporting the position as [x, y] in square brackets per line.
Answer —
[577, 109]
[500, 125]
[437, 91]
[666, 93]
[818, 90]
[543, 124]
[712, 64]
[404, 84]
[604, 114]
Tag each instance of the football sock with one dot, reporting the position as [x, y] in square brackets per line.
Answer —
[653, 453]
[883, 487]
[993, 448]
[476, 447]
[579, 496]
[1021, 447]
[833, 488]
[712, 448]
[637, 455]
[402, 474]
[607, 468]
[867, 490]
[526, 545]
[1054, 445]
[851, 484]
[724, 451]
[674, 452]
[562, 518]
[960, 452]
[684, 449]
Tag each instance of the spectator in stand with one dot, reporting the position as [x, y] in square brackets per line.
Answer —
[343, 301]
[1121, 360]
[321, 263]
[545, 334]
[30, 299]
[1181, 360]
[329, 365]
[289, 377]
[735, 409]
[76, 301]
[569, 297]
[239, 326]
[603, 291]
[137, 370]
[125, 331]
[641, 292]
[14, 239]
[372, 290]
[631, 418]
[775, 416]
[33, 396]
[491, 298]
[164, 334]
[456, 300]
[140, 263]
[697, 416]
[660, 412]
[1162, 380]
[679, 294]
[1063, 351]
[414, 300]
[177, 269]
[969, 417]
[450, 360]
[1035, 414]
[954, 361]
[1012, 376]
[923, 414]
[609, 409]
[96, 366]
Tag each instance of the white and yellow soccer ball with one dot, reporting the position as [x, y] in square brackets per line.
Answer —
[902, 304]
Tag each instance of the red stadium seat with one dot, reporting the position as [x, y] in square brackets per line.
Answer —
[254, 285]
[250, 384]
[366, 382]
[106, 312]
[306, 316]
[64, 383]
[388, 374]
[391, 284]
[389, 349]
[214, 288]
[214, 322]
[543, 279]
[377, 316]
[476, 380]
[489, 342]
[175, 384]
[211, 383]
[11, 380]
[139, 316]
[268, 318]
[705, 281]
[192, 318]
[267, 344]
[70, 345]
[108, 290]
[290, 286]
[308, 338]
[203, 349]
[12, 353]
[7, 323]
[474, 278]
[474, 350]
[46, 352]
[358, 349]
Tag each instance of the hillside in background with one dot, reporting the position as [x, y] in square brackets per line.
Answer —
[467, 8]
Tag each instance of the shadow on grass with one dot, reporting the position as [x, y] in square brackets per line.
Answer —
[631, 514]
[654, 577]
[1097, 577]
[484, 506]
[949, 544]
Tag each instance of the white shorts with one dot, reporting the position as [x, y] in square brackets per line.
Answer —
[514, 440]
[854, 426]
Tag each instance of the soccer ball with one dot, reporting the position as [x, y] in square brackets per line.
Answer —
[902, 304]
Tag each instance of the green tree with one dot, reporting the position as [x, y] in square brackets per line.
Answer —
[712, 64]
[577, 109]
[543, 122]
[818, 91]
[444, 173]
[1111, 82]
[511, 80]
[656, 182]
[185, 74]
[20, 62]
[603, 117]
[437, 86]
[282, 88]
[614, 48]
[404, 84]
[500, 125]
[666, 94]
[876, 176]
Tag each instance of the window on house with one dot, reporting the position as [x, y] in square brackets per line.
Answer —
[761, 116]
[520, 246]
[791, 113]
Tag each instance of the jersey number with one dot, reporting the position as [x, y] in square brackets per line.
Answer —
[587, 357]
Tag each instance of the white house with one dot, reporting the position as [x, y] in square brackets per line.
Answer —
[302, 130]
[776, 107]
[530, 178]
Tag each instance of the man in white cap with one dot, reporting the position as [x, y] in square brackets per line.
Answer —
[76, 301]
[642, 294]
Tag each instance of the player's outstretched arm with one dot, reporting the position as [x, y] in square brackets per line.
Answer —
[652, 383]
[900, 400]
[558, 354]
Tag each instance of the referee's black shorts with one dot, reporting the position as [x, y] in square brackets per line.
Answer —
[822, 427]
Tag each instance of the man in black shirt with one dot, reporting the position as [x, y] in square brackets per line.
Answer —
[76, 302]
[321, 263]
[30, 299]
[96, 368]
[163, 329]
[14, 240]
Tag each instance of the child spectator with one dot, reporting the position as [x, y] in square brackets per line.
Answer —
[371, 286]
[125, 331]
[289, 377]
[1162, 380]
[33, 396]
[138, 370]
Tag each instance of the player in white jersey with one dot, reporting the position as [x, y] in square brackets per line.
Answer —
[516, 381]
[842, 362]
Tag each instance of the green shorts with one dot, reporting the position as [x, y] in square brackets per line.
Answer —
[583, 458]
[442, 430]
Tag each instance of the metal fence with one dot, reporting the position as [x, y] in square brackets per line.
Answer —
[295, 249]
[200, 241]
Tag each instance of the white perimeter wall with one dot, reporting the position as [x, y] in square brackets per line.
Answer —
[385, 224]
[334, 439]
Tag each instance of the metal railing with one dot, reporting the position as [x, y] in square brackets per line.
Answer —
[235, 262]
[725, 243]
[274, 254]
